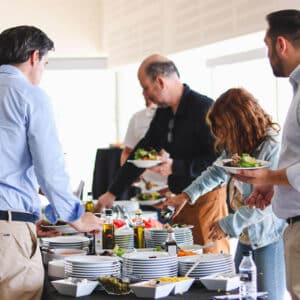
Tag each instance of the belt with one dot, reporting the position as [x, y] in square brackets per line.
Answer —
[17, 216]
[293, 219]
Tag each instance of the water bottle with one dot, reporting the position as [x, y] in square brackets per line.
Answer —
[248, 277]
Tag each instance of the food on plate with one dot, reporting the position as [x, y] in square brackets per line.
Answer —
[172, 279]
[113, 285]
[148, 196]
[168, 226]
[117, 251]
[142, 154]
[119, 223]
[243, 161]
[182, 252]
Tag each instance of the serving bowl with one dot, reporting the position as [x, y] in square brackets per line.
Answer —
[74, 288]
[150, 289]
[221, 281]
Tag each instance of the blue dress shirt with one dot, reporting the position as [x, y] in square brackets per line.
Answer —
[30, 152]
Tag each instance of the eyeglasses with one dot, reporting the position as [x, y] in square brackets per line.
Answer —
[170, 132]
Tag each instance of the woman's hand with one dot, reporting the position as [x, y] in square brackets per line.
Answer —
[178, 202]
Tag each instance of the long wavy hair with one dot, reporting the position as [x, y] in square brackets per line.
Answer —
[238, 122]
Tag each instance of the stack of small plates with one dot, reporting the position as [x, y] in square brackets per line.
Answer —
[92, 267]
[74, 242]
[209, 264]
[124, 238]
[139, 266]
[157, 237]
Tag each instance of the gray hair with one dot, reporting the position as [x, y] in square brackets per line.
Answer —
[164, 68]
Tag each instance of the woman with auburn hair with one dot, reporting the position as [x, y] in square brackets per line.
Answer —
[240, 125]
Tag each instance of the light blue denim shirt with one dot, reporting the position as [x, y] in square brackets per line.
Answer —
[263, 226]
[30, 152]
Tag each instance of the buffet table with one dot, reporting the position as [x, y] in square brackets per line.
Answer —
[197, 292]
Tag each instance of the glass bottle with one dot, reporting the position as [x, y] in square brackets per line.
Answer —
[248, 277]
[108, 232]
[171, 244]
[89, 205]
[138, 228]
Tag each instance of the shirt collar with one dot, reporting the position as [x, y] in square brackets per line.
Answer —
[184, 100]
[12, 70]
[295, 77]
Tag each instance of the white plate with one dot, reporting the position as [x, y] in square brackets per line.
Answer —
[158, 186]
[61, 228]
[145, 163]
[66, 240]
[233, 170]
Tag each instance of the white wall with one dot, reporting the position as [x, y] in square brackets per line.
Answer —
[137, 28]
[75, 26]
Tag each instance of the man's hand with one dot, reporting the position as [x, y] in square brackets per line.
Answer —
[45, 232]
[259, 176]
[216, 232]
[261, 196]
[88, 223]
[165, 168]
[105, 201]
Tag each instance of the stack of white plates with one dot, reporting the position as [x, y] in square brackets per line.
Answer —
[124, 238]
[92, 267]
[209, 264]
[139, 266]
[157, 237]
[74, 242]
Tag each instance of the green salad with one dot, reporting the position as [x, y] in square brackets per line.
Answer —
[142, 154]
[244, 161]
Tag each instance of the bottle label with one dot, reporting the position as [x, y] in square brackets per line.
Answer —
[172, 250]
[246, 276]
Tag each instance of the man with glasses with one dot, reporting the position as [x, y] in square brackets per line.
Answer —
[282, 186]
[178, 128]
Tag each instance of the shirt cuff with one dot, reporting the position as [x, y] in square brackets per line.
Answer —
[293, 176]
[53, 217]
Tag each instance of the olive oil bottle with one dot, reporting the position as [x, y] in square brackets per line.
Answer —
[89, 205]
[108, 231]
[138, 228]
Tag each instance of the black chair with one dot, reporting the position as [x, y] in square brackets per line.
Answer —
[107, 163]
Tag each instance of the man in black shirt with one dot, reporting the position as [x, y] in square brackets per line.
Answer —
[178, 128]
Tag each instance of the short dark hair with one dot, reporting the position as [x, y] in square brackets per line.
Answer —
[165, 68]
[285, 23]
[18, 43]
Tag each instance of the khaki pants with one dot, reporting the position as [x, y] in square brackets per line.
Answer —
[292, 259]
[21, 268]
[208, 208]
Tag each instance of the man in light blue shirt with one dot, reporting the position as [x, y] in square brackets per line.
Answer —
[282, 186]
[30, 156]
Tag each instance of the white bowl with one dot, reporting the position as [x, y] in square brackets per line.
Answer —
[75, 289]
[56, 268]
[182, 286]
[221, 281]
[145, 289]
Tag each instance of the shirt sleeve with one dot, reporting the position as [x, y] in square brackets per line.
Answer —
[209, 179]
[130, 139]
[48, 160]
[293, 175]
